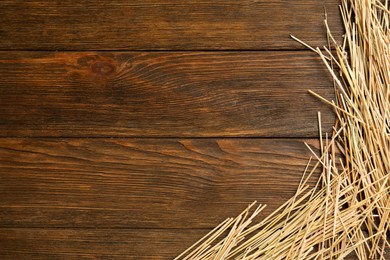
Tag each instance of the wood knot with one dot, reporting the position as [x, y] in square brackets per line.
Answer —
[103, 68]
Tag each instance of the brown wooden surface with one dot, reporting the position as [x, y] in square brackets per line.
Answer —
[140, 244]
[190, 94]
[143, 183]
[128, 129]
[163, 24]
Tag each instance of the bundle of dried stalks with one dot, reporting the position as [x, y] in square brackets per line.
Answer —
[349, 209]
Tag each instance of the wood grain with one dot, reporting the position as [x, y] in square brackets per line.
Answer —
[140, 244]
[162, 94]
[143, 183]
[98, 244]
[164, 24]
[163, 74]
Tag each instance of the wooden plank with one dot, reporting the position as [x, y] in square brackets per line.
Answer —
[164, 25]
[77, 244]
[95, 244]
[143, 183]
[170, 94]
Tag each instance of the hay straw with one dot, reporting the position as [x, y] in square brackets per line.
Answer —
[348, 210]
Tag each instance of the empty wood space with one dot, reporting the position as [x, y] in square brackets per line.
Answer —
[163, 24]
[143, 183]
[129, 129]
[162, 94]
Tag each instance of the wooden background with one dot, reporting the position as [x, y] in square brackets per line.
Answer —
[128, 129]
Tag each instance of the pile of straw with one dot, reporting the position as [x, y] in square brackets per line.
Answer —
[348, 211]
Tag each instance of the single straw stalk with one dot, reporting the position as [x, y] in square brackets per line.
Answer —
[348, 210]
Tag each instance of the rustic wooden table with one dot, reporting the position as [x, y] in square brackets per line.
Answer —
[130, 128]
